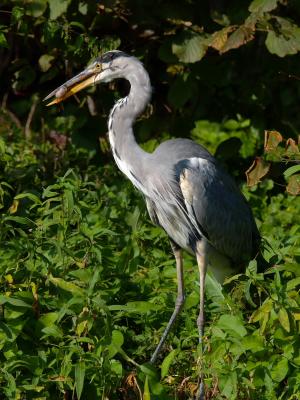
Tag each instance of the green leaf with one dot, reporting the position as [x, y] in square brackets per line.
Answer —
[262, 5]
[117, 338]
[253, 343]
[232, 324]
[30, 196]
[149, 370]
[16, 14]
[45, 62]
[3, 41]
[14, 302]
[79, 377]
[191, 48]
[140, 307]
[293, 283]
[286, 41]
[291, 170]
[35, 8]
[167, 362]
[280, 369]
[146, 395]
[284, 319]
[67, 286]
[48, 319]
[58, 7]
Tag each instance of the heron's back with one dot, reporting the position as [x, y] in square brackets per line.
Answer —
[193, 198]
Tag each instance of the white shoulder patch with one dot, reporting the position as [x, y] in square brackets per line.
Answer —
[196, 162]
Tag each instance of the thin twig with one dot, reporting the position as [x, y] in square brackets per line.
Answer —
[29, 120]
[11, 115]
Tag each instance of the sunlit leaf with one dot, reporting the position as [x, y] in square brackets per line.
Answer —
[191, 48]
[241, 36]
[45, 62]
[58, 7]
[280, 369]
[286, 41]
[167, 362]
[232, 323]
[219, 38]
[66, 285]
[35, 8]
[284, 319]
[263, 5]
[14, 302]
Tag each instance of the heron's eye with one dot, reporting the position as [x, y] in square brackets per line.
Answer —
[98, 66]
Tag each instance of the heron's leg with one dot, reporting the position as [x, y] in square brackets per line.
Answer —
[201, 255]
[179, 300]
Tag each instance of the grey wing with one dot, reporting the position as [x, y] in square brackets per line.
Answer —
[214, 203]
[151, 211]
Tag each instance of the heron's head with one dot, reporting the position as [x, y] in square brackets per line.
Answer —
[109, 66]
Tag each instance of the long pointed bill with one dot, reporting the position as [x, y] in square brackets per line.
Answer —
[71, 87]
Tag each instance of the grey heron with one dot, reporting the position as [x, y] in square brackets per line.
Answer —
[187, 192]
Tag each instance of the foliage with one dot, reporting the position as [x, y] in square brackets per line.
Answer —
[87, 283]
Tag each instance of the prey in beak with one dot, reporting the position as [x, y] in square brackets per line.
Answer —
[74, 85]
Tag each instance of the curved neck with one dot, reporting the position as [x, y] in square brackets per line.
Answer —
[129, 156]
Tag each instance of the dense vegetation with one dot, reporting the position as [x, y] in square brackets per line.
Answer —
[87, 282]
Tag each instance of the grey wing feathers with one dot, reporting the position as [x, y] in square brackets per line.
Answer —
[220, 210]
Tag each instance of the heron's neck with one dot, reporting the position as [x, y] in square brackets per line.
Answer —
[129, 156]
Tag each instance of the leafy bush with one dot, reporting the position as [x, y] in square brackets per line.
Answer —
[87, 283]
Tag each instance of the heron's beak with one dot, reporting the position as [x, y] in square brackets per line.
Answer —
[72, 86]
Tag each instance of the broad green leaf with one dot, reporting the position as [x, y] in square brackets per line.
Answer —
[117, 338]
[45, 62]
[19, 220]
[293, 283]
[79, 378]
[67, 286]
[140, 307]
[263, 5]
[285, 40]
[265, 308]
[284, 319]
[30, 196]
[228, 385]
[167, 362]
[53, 331]
[149, 370]
[280, 369]
[35, 8]
[58, 7]
[14, 302]
[233, 324]
[191, 49]
[48, 319]
[253, 343]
